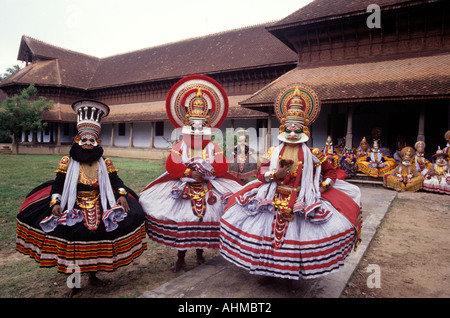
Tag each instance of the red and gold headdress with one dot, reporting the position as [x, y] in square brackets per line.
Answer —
[196, 98]
[296, 104]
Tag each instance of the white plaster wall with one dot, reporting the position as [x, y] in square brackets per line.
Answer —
[141, 135]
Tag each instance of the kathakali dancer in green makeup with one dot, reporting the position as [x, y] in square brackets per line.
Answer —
[297, 220]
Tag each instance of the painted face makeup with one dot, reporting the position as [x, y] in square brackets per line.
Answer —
[88, 141]
[197, 127]
[293, 132]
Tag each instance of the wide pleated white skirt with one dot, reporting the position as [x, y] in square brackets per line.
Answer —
[172, 221]
[309, 249]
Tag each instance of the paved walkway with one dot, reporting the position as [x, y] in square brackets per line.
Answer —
[219, 278]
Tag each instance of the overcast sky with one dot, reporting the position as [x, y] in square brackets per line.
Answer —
[108, 27]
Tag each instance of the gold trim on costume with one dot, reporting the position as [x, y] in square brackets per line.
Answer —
[269, 153]
[63, 165]
[176, 152]
[319, 155]
[88, 173]
[109, 166]
[87, 199]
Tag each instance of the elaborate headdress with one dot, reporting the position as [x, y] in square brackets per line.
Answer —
[241, 134]
[296, 105]
[363, 141]
[197, 98]
[420, 144]
[440, 153]
[407, 152]
[89, 115]
[447, 136]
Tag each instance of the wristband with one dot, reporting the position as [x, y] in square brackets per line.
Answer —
[327, 183]
[187, 172]
[55, 199]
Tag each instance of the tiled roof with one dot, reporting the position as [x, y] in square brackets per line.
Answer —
[60, 112]
[236, 49]
[144, 112]
[326, 9]
[54, 66]
[414, 77]
[156, 111]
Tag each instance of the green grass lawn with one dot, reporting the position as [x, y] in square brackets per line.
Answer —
[21, 276]
[19, 174]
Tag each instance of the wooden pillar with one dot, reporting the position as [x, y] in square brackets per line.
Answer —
[34, 137]
[421, 130]
[269, 130]
[349, 134]
[52, 133]
[111, 144]
[152, 135]
[263, 137]
[58, 134]
[131, 136]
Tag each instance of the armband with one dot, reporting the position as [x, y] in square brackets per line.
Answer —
[319, 155]
[63, 165]
[109, 166]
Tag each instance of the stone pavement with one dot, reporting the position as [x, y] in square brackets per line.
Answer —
[218, 278]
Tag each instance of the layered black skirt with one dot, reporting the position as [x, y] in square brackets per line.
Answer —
[76, 245]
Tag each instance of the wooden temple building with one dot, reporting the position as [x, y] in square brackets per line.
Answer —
[395, 77]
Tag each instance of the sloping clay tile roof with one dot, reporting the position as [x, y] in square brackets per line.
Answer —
[416, 77]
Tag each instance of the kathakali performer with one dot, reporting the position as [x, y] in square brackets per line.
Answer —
[86, 219]
[404, 177]
[184, 204]
[333, 158]
[447, 146]
[437, 178]
[348, 162]
[363, 150]
[420, 162]
[375, 164]
[243, 165]
[297, 219]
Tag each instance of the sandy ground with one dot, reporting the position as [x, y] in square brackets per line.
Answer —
[409, 256]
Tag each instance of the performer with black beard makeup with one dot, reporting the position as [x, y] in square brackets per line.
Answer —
[86, 219]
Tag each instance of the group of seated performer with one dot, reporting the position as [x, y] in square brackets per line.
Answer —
[416, 171]
[410, 170]
[371, 161]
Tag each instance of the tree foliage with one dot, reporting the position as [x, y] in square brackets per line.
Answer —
[21, 113]
[9, 72]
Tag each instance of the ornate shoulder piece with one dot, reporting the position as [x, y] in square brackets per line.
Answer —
[319, 155]
[217, 149]
[269, 153]
[63, 165]
[176, 149]
[175, 152]
[109, 166]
